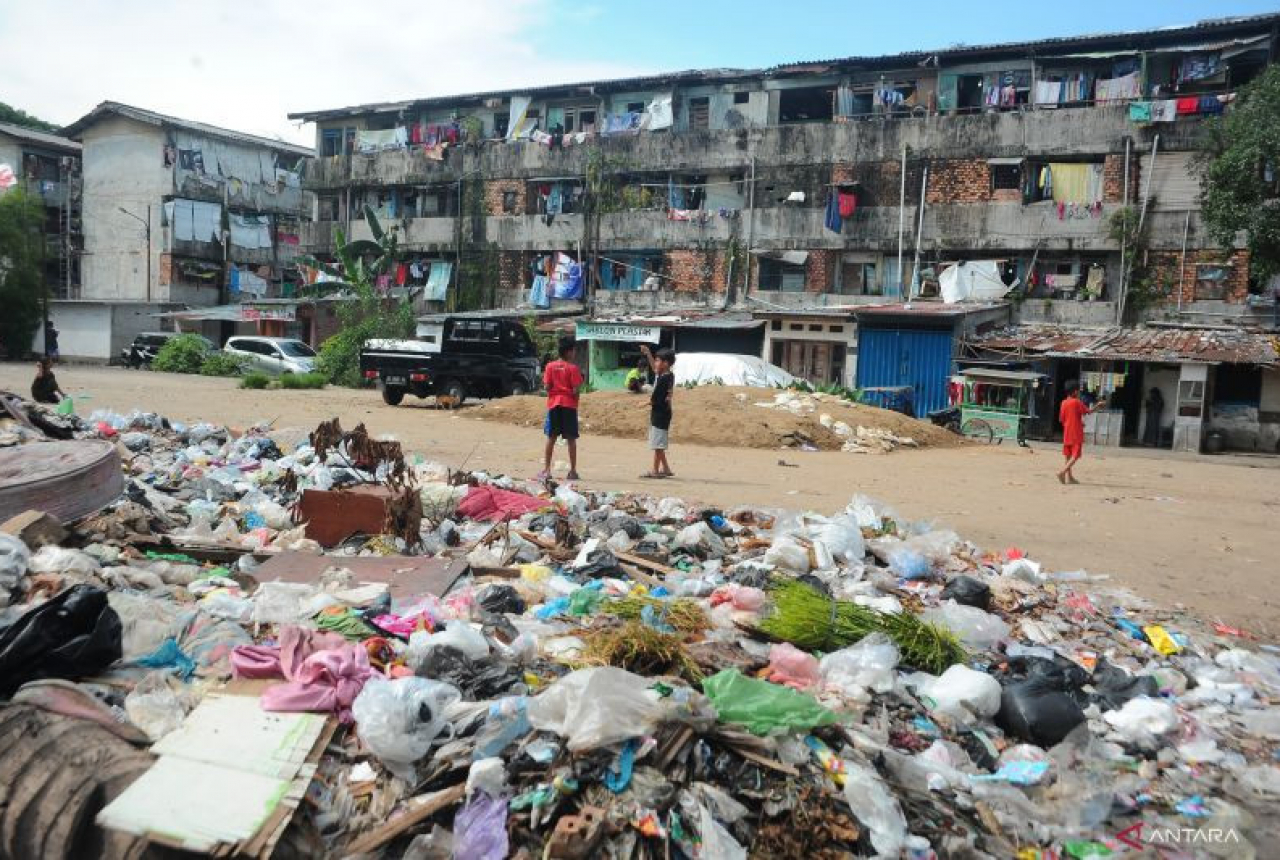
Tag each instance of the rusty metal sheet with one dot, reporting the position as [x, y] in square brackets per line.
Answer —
[69, 480]
[407, 576]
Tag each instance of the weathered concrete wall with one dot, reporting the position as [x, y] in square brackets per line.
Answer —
[96, 331]
[123, 167]
[1065, 312]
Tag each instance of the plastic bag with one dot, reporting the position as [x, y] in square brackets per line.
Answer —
[743, 597]
[1024, 569]
[873, 803]
[488, 775]
[786, 554]
[867, 665]
[480, 829]
[961, 691]
[574, 502]
[701, 539]
[73, 635]
[56, 559]
[967, 591]
[1038, 710]
[456, 634]
[592, 708]
[790, 666]
[507, 721]
[908, 563]
[717, 842]
[281, 602]
[1143, 720]
[763, 707]
[14, 560]
[398, 720]
[153, 706]
[977, 629]
[842, 536]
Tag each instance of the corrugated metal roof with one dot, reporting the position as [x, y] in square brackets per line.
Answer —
[939, 309]
[43, 138]
[1058, 44]
[1174, 345]
[158, 119]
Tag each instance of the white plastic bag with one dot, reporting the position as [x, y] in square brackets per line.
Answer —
[961, 691]
[574, 502]
[977, 629]
[592, 708]
[14, 560]
[842, 536]
[456, 634]
[700, 538]
[398, 720]
[281, 602]
[867, 665]
[153, 706]
[1143, 720]
[786, 554]
[56, 559]
[873, 803]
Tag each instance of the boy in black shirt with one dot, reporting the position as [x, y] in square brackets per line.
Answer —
[664, 385]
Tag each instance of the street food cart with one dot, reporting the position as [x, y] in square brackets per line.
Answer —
[995, 404]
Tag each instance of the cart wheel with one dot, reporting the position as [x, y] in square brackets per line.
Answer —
[977, 430]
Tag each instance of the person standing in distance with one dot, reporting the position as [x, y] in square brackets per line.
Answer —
[660, 413]
[1071, 413]
[562, 379]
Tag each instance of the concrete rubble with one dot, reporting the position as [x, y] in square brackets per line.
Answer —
[478, 666]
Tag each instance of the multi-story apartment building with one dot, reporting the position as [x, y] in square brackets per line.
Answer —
[827, 197]
[48, 167]
[178, 215]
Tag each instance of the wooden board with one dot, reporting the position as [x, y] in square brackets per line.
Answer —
[407, 576]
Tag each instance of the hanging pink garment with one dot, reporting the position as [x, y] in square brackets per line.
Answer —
[327, 681]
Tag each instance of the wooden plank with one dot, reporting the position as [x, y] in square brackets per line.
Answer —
[641, 561]
[639, 575]
[427, 806]
[764, 761]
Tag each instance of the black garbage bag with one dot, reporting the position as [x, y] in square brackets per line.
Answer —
[1060, 673]
[1112, 686]
[1038, 710]
[601, 562]
[968, 591]
[500, 598]
[476, 680]
[622, 523]
[73, 635]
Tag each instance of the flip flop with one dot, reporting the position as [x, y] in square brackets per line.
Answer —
[572, 476]
[655, 476]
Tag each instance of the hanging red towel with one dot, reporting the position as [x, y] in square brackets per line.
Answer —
[1188, 105]
[848, 203]
[402, 274]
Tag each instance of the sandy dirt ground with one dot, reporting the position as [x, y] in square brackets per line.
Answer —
[1200, 533]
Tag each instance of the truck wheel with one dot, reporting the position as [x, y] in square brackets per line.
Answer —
[454, 391]
[518, 387]
[392, 396]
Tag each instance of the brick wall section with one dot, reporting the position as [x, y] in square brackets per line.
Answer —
[494, 189]
[1113, 179]
[1165, 268]
[166, 270]
[959, 180]
[820, 271]
[694, 271]
[512, 266]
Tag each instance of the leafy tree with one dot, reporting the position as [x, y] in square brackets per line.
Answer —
[16, 116]
[1241, 171]
[22, 284]
[185, 353]
[366, 314]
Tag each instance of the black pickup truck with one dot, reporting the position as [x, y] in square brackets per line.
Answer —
[455, 357]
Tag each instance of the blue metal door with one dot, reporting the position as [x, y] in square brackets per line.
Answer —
[920, 358]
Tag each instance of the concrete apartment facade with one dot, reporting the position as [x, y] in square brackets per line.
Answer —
[713, 190]
[178, 215]
[47, 166]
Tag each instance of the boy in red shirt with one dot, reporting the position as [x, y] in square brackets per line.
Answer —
[1071, 413]
[562, 379]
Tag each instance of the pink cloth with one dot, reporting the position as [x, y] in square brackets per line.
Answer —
[283, 660]
[327, 681]
[489, 503]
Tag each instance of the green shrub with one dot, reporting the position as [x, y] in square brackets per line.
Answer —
[222, 364]
[185, 353]
[302, 380]
[255, 380]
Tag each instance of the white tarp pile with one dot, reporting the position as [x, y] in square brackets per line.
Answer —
[973, 281]
[713, 368]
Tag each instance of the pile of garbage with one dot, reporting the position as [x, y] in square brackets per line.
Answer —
[601, 674]
[855, 438]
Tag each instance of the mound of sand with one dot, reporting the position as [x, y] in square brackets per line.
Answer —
[725, 416]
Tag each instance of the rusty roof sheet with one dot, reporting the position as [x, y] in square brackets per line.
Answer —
[1210, 346]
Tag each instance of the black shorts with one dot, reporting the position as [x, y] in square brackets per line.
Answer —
[563, 422]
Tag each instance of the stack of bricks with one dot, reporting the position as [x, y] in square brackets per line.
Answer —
[1169, 273]
[959, 180]
[496, 189]
[820, 271]
[691, 271]
[1113, 179]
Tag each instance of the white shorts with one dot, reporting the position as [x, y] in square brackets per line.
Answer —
[657, 439]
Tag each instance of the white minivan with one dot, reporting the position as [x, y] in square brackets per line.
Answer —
[272, 354]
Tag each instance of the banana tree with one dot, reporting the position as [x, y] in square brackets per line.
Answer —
[350, 269]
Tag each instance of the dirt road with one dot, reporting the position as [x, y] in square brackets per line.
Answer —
[1201, 532]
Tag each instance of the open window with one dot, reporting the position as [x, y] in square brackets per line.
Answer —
[780, 276]
[1006, 176]
[699, 113]
[806, 104]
